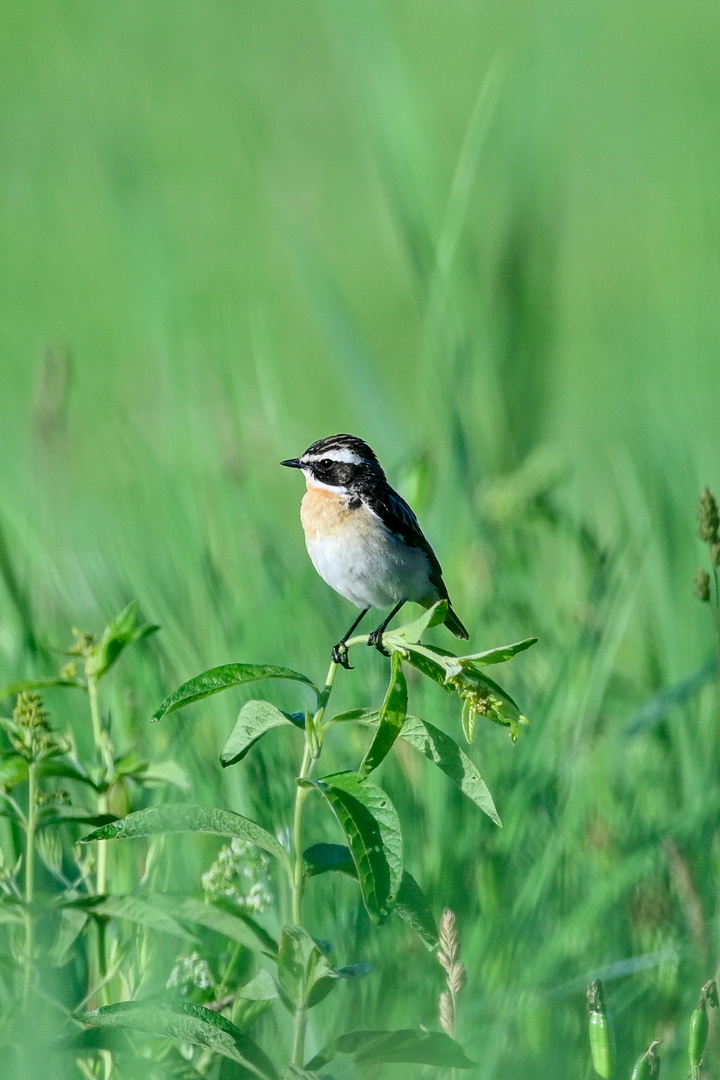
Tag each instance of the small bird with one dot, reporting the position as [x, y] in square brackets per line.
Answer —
[363, 538]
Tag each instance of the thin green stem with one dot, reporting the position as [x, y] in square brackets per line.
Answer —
[104, 749]
[30, 882]
[311, 752]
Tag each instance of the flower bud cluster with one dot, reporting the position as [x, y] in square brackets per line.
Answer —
[241, 873]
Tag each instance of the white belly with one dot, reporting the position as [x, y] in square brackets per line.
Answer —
[370, 567]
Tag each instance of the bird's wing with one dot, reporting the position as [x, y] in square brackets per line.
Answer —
[399, 519]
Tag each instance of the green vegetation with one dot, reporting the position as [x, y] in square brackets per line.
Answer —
[484, 239]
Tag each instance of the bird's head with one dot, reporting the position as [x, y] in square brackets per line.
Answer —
[340, 463]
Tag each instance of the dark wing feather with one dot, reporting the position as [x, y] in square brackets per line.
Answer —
[400, 520]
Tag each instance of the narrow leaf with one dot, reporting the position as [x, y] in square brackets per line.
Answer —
[222, 678]
[254, 719]
[120, 632]
[220, 917]
[189, 1023]
[432, 617]
[38, 684]
[496, 656]
[372, 827]
[444, 752]
[173, 818]
[143, 912]
[408, 1046]
[294, 1072]
[392, 718]
[410, 905]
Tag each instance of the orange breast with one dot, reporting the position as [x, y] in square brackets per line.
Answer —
[323, 513]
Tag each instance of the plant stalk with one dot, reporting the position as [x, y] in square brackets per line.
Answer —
[30, 882]
[311, 752]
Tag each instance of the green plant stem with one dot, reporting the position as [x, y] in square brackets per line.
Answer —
[311, 751]
[107, 759]
[30, 882]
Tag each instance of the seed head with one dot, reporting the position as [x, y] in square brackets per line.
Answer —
[447, 1012]
[708, 517]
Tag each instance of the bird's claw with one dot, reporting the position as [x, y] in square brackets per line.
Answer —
[340, 656]
[375, 641]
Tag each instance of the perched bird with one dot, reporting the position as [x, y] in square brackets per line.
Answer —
[363, 538]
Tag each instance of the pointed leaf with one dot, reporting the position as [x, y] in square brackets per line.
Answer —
[117, 635]
[260, 988]
[13, 770]
[392, 718]
[222, 678]
[189, 1023]
[220, 917]
[496, 656]
[38, 684]
[143, 912]
[410, 905]
[444, 752]
[408, 1046]
[294, 1072]
[429, 662]
[372, 827]
[254, 719]
[432, 617]
[172, 818]
[323, 857]
[306, 975]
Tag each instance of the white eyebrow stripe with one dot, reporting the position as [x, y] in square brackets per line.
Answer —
[347, 456]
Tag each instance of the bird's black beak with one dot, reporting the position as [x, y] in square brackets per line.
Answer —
[292, 463]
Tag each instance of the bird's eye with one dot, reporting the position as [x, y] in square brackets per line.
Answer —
[326, 463]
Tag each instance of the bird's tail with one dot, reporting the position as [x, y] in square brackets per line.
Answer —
[453, 623]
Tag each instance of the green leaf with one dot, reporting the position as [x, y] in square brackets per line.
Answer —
[392, 718]
[13, 770]
[172, 818]
[222, 678]
[70, 925]
[136, 909]
[408, 1046]
[410, 905]
[221, 917]
[430, 662]
[120, 632]
[305, 974]
[372, 827]
[160, 774]
[260, 988]
[38, 684]
[432, 617]
[496, 656]
[294, 1072]
[444, 752]
[320, 858]
[68, 815]
[254, 719]
[69, 770]
[486, 698]
[189, 1023]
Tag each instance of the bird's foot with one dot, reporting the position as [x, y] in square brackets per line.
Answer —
[340, 656]
[375, 640]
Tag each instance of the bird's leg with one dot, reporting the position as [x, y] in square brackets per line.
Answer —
[375, 638]
[339, 653]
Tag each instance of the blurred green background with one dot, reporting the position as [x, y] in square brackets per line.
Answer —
[486, 238]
